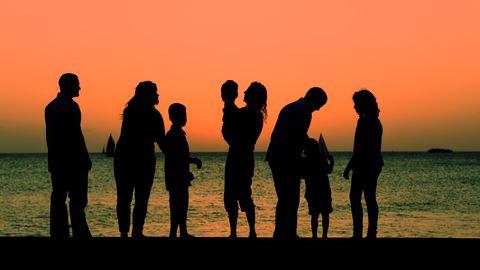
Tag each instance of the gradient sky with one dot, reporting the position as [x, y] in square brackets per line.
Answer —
[420, 58]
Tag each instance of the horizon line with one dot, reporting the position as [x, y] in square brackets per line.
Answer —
[339, 151]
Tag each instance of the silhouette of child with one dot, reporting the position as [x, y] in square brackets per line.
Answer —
[177, 170]
[229, 93]
[316, 169]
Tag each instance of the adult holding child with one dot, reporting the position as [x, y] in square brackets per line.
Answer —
[241, 129]
[135, 161]
[366, 162]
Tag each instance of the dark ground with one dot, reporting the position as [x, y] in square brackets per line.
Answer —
[159, 252]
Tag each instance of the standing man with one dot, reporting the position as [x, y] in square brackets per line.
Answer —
[68, 161]
[284, 154]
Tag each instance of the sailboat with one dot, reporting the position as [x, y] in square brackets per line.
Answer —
[110, 150]
[322, 145]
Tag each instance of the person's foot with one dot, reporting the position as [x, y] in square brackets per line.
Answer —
[186, 236]
[232, 236]
[252, 235]
[123, 235]
[138, 235]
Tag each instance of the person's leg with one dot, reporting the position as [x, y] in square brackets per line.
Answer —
[78, 202]
[58, 208]
[371, 201]
[124, 185]
[279, 180]
[292, 190]
[172, 200]
[232, 218]
[294, 203]
[183, 208]
[356, 189]
[287, 187]
[251, 222]
[246, 201]
[143, 187]
[314, 224]
[325, 224]
[230, 193]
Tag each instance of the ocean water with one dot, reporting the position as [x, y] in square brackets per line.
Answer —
[419, 195]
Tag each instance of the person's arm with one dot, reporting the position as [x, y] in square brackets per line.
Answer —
[347, 170]
[160, 132]
[196, 161]
[331, 163]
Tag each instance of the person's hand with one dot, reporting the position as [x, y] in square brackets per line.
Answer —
[329, 157]
[346, 174]
[89, 165]
[197, 162]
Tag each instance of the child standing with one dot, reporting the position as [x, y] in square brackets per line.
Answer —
[177, 170]
[316, 169]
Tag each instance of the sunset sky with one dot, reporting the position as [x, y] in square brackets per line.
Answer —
[421, 58]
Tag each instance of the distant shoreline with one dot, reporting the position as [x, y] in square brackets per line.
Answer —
[257, 152]
[439, 150]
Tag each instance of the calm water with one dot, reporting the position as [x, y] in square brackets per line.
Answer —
[419, 195]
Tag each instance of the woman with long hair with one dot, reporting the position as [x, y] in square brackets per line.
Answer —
[366, 163]
[134, 162]
[239, 167]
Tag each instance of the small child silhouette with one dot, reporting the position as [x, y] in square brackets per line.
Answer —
[177, 170]
[229, 93]
[318, 194]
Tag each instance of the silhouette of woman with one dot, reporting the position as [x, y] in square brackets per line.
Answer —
[239, 167]
[134, 161]
[366, 163]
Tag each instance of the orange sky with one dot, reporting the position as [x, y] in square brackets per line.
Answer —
[420, 58]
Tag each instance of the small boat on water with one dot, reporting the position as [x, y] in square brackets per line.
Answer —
[322, 145]
[109, 151]
[439, 150]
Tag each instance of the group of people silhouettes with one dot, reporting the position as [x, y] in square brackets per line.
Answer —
[291, 156]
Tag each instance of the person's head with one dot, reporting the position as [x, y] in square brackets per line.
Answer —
[69, 84]
[316, 97]
[256, 96]
[178, 114]
[229, 90]
[312, 148]
[145, 95]
[365, 103]
[146, 92]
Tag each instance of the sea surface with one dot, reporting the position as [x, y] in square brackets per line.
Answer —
[419, 195]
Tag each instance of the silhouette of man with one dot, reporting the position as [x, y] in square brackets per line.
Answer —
[284, 155]
[68, 161]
